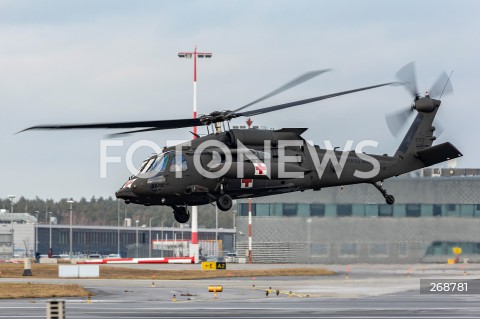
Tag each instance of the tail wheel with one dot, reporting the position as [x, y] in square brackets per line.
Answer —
[224, 202]
[390, 199]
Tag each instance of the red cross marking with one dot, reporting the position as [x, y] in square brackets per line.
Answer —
[260, 169]
[246, 183]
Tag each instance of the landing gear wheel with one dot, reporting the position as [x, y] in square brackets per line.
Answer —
[390, 199]
[181, 214]
[224, 202]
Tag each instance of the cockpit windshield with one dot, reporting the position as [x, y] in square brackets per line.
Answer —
[146, 165]
[156, 164]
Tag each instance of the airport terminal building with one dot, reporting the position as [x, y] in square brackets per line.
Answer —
[435, 210]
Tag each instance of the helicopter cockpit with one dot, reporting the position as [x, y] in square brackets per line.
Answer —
[159, 164]
[154, 170]
[155, 165]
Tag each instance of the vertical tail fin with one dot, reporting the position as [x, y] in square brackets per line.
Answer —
[419, 135]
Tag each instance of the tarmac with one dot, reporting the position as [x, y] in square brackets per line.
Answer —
[358, 291]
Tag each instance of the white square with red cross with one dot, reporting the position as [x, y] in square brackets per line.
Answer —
[260, 169]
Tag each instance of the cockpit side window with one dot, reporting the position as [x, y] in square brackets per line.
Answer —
[144, 163]
[145, 167]
[163, 164]
[179, 163]
[155, 164]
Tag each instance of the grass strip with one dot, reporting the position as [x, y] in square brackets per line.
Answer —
[106, 272]
[36, 290]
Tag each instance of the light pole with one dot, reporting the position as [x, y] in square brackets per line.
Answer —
[136, 238]
[118, 227]
[163, 220]
[309, 222]
[71, 201]
[235, 231]
[150, 237]
[250, 240]
[174, 239]
[50, 236]
[216, 227]
[188, 55]
[12, 197]
[173, 232]
[36, 231]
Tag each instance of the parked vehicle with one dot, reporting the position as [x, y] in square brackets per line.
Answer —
[231, 258]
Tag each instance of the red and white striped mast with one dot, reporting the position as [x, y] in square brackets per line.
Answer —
[194, 249]
[250, 240]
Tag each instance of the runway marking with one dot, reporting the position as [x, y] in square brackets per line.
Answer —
[293, 317]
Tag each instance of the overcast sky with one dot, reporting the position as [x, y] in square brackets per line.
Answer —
[101, 61]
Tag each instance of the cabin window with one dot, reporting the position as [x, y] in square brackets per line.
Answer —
[179, 163]
[261, 157]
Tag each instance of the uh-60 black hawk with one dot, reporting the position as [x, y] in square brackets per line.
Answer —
[240, 163]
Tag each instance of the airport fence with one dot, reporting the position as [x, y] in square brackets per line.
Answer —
[358, 239]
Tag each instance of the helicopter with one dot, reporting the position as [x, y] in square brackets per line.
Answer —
[228, 164]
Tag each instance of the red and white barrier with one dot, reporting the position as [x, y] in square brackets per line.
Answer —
[162, 260]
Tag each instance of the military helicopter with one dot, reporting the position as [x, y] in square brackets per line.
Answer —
[228, 164]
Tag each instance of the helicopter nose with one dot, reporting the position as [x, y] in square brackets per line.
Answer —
[126, 194]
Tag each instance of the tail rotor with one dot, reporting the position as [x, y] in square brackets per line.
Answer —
[396, 121]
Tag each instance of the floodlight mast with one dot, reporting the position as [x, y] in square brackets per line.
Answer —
[194, 251]
[189, 55]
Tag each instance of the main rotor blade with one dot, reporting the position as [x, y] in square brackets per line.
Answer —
[135, 131]
[408, 77]
[306, 101]
[397, 120]
[299, 80]
[161, 125]
[442, 86]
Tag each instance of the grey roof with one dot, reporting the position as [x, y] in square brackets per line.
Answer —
[17, 218]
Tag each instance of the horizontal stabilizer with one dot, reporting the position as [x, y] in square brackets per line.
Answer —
[438, 154]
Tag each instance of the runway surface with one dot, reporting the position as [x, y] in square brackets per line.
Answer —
[367, 292]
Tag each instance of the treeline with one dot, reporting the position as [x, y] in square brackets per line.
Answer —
[106, 211]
